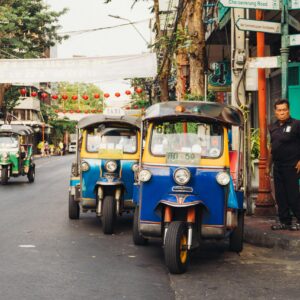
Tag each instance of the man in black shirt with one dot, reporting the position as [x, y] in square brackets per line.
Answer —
[285, 154]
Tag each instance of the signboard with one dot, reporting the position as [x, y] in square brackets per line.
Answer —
[220, 79]
[261, 26]
[294, 40]
[294, 22]
[114, 111]
[294, 4]
[255, 4]
[264, 62]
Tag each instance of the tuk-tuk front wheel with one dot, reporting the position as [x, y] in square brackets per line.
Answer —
[31, 174]
[74, 210]
[109, 215]
[138, 239]
[4, 175]
[236, 238]
[176, 252]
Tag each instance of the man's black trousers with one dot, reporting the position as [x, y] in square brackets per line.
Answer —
[286, 181]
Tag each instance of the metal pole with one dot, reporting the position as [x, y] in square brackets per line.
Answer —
[284, 50]
[264, 203]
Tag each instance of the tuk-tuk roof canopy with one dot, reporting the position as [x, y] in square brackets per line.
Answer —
[210, 111]
[98, 119]
[16, 129]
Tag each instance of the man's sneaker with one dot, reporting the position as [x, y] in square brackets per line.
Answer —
[280, 226]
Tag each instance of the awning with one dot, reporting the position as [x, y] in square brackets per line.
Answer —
[79, 69]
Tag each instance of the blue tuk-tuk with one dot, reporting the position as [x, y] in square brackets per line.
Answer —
[185, 192]
[103, 174]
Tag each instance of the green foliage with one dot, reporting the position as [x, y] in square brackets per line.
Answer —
[27, 28]
[11, 98]
[59, 127]
[255, 143]
[141, 100]
[211, 97]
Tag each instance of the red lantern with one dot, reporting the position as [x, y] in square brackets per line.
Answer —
[99, 110]
[64, 111]
[117, 94]
[85, 97]
[71, 111]
[128, 92]
[106, 95]
[127, 107]
[44, 95]
[64, 97]
[139, 90]
[135, 106]
[54, 97]
[96, 96]
[57, 110]
[23, 92]
[78, 111]
[86, 112]
[33, 94]
[74, 97]
[93, 111]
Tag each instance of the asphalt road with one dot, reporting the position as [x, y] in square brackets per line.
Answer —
[44, 255]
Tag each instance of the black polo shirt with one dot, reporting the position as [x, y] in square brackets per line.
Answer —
[285, 140]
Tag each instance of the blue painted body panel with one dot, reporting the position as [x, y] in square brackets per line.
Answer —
[74, 182]
[124, 175]
[206, 191]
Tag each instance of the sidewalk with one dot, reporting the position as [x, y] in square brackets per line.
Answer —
[258, 232]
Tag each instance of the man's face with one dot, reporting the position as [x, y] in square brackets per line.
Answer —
[282, 112]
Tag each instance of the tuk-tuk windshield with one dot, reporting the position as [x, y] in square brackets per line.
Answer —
[199, 139]
[7, 141]
[113, 139]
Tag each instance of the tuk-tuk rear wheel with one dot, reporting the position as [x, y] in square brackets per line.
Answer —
[4, 175]
[74, 210]
[176, 252]
[109, 215]
[237, 236]
[31, 174]
[138, 239]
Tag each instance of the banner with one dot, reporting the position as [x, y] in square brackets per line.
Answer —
[79, 69]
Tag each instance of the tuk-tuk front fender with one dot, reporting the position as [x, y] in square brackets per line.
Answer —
[181, 200]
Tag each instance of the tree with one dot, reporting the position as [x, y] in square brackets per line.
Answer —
[27, 30]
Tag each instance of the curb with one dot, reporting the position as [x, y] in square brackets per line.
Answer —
[257, 232]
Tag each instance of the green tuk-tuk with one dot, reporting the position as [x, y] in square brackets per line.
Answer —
[16, 152]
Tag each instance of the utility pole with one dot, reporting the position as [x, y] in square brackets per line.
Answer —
[264, 202]
[284, 50]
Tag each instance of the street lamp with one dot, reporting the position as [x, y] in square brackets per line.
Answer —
[131, 23]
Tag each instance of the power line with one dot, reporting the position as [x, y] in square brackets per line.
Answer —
[77, 32]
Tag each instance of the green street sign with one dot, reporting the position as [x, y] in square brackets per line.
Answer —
[294, 40]
[260, 26]
[255, 4]
[294, 4]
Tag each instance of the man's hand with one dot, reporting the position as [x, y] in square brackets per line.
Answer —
[298, 167]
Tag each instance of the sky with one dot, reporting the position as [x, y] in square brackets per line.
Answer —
[90, 14]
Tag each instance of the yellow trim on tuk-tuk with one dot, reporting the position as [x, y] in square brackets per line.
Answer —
[222, 161]
[108, 154]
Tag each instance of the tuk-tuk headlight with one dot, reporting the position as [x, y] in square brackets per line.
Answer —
[135, 167]
[182, 176]
[111, 166]
[85, 166]
[145, 175]
[223, 178]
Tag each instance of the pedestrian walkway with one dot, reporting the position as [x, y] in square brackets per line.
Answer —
[258, 232]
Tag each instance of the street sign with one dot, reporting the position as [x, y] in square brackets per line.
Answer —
[294, 40]
[294, 22]
[294, 4]
[255, 4]
[264, 62]
[262, 26]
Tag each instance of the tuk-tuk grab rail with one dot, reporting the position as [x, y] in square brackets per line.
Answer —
[212, 111]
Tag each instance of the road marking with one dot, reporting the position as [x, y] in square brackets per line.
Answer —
[27, 246]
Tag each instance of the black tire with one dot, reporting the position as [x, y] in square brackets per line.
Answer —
[176, 257]
[74, 210]
[236, 238]
[4, 176]
[31, 174]
[138, 239]
[109, 215]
